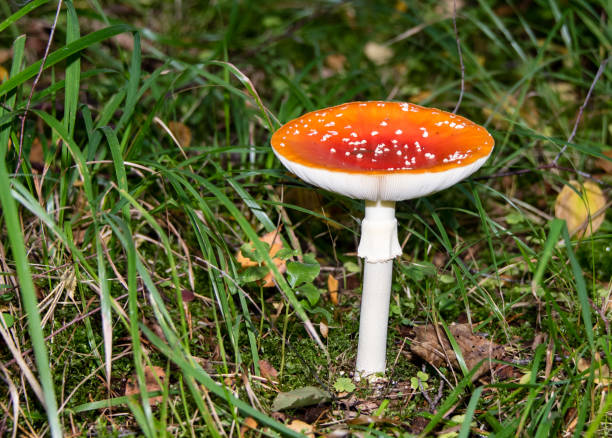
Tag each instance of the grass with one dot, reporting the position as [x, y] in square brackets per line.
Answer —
[145, 167]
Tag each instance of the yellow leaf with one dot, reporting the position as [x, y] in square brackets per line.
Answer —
[332, 287]
[583, 213]
[181, 132]
[3, 74]
[301, 427]
[401, 6]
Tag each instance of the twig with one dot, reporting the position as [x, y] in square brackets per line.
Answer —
[36, 79]
[581, 110]
[460, 57]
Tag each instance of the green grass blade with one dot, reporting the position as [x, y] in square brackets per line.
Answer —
[29, 7]
[581, 289]
[63, 53]
[556, 226]
[464, 432]
[195, 371]
[27, 291]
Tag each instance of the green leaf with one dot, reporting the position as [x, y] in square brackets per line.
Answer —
[311, 292]
[9, 320]
[304, 272]
[352, 267]
[298, 398]
[423, 376]
[344, 384]
[252, 273]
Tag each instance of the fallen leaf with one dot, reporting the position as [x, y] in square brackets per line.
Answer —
[601, 372]
[379, 54]
[181, 132]
[37, 156]
[604, 164]
[324, 329]
[401, 6]
[274, 241]
[474, 347]
[267, 370]
[301, 427]
[154, 378]
[332, 287]
[248, 423]
[305, 396]
[583, 213]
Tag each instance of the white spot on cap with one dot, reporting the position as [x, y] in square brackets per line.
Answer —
[398, 132]
[353, 134]
[339, 115]
[330, 124]
[383, 123]
[332, 150]
[282, 144]
[374, 132]
[359, 155]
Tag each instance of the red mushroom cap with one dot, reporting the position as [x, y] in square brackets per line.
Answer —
[382, 150]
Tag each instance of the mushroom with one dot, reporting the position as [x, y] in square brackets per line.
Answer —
[381, 152]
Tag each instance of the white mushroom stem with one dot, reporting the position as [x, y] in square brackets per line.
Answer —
[379, 245]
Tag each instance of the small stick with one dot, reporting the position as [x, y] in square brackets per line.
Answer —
[581, 110]
[36, 79]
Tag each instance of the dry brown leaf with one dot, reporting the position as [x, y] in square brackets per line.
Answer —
[37, 155]
[154, 378]
[273, 239]
[332, 287]
[582, 213]
[379, 54]
[248, 423]
[601, 372]
[301, 427]
[324, 329]
[267, 370]
[181, 132]
[604, 164]
[473, 347]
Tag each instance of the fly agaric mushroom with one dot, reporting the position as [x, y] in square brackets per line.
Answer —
[381, 152]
